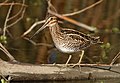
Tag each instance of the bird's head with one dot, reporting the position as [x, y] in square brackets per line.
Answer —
[50, 21]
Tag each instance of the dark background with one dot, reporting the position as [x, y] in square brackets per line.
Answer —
[105, 17]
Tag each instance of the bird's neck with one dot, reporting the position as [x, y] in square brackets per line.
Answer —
[55, 29]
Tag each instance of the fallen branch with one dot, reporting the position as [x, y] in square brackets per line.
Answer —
[25, 71]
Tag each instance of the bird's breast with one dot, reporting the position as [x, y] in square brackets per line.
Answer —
[65, 49]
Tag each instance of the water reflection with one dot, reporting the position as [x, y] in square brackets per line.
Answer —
[82, 81]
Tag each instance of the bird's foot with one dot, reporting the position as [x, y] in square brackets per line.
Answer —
[66, 65]
[77, 64]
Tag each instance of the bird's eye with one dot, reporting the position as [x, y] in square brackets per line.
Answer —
[52, 18]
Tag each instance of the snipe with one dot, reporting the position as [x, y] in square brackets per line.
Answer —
[68, 40]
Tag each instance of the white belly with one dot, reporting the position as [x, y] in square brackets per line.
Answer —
[65, 49]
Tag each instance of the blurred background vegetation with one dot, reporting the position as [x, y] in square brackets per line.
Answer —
[105, 17]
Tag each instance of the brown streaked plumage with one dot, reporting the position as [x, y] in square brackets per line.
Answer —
[68, 40]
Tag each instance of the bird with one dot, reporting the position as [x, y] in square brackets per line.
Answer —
[67, 40]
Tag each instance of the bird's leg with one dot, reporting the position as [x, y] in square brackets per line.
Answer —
[81, 56]
[66, 64]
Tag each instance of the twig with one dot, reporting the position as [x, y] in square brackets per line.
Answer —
[19, 17]
[86, 8]
[34, 25]
[6, 80]
[54, 12]
[98, 66]
[6, 20]
[10, 18]
[18, 12]
[38, 44]
[3, 76]
[72, 21]
[77, 12]
[3, 3]
[51, 6]
[7, 53]
[115, 58]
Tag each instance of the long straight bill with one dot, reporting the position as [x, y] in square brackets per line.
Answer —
[44, 26]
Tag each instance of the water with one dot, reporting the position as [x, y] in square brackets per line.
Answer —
[70, 81]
